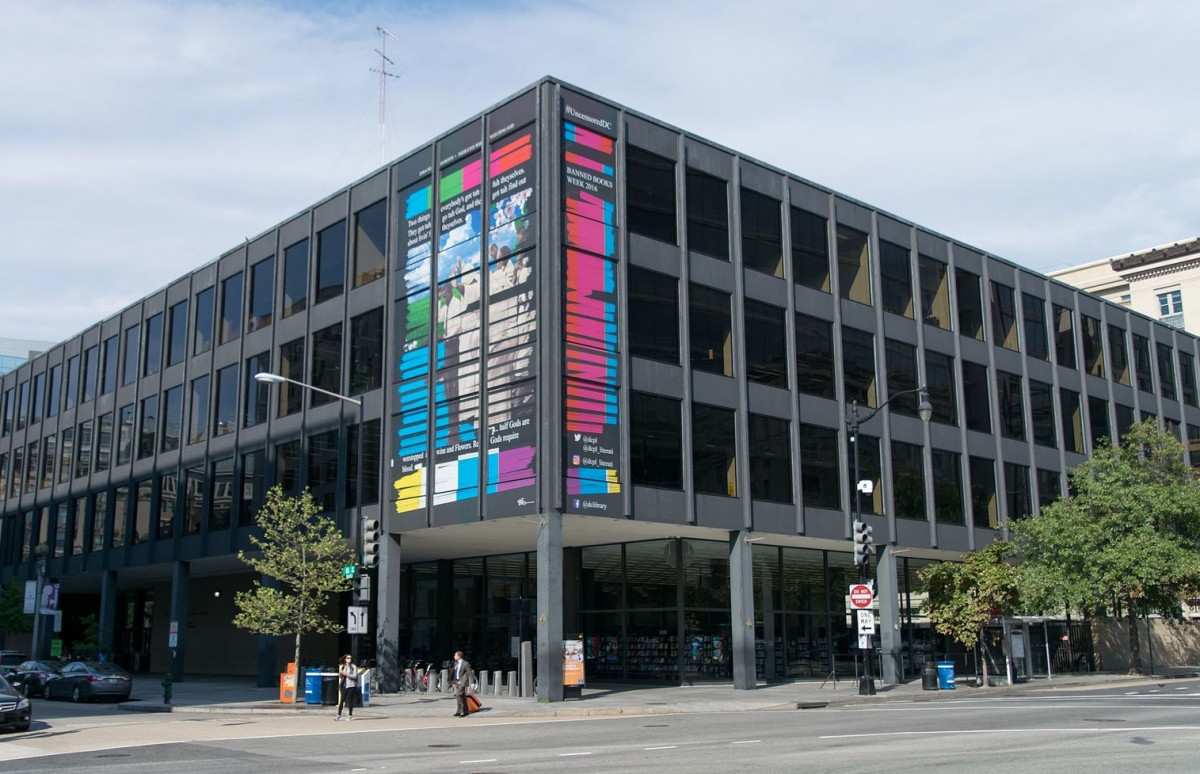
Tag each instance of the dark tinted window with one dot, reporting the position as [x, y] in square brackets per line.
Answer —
[810, 250]
[220, 482]
[109, 381]
[1004, 316]
[714, 450]
[762, 233]
[1141, 363]
[326, 364]
[258, 394]
[231, 307]
[204, 321]
[896, 270]
[970, 304]
[814, 356]
[1118, 355]
[770, 459]
[819, 478]
[91, 373]
[650, 194]
[984, 510]
[766, 344]
[323, 469]
[947, 487]
[854, 272]
[148, 426]
[908, 480]
[1064, 337]
[1041, 411]
[198, 410]
[901, 376]
[1012, 412]
[1072, 420]
[935, 292]
[129, 367]
[295, 278]
[1016, 488]
[1098, 420]
[707, 214]
[152, 360]
[1034, 310]
[653, 315]
[858, 366]
[1187, 379]
[1048, 487]
[262, 294]
[1093, 347]
[172, 425]
[291, 365]
[225, 413]
[656, 441]
[711, 328]
[366, 351]
[1166, 370]
[331, 261]
[370, 243]
[177, 341]
[939, 383]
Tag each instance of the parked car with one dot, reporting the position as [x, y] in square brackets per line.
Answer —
[10, 659]
[87, 680]
[31, 677]
[16, 711]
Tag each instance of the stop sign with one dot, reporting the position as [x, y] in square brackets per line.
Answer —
[861, 596]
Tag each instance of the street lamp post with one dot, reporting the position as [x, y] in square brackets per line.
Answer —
[271, 378]
[41, 551]
[866, 685]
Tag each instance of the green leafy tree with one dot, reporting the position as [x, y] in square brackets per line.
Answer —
[88, 644]
[1125, 542]
[963, 596]
[13, 618]
[304, 553]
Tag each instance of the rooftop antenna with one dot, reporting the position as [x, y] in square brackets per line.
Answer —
[384, 35]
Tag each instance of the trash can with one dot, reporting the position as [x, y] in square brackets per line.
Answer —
[929, 677]
[312, 686]
[329, 688]
[945, 675]
[364, 685]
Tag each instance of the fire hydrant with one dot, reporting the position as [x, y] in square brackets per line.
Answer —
[167, 681]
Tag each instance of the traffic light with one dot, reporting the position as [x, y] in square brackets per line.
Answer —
[362, 588]
[863, 540]
[370, 543]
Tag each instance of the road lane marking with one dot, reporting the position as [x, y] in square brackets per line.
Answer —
[664, 747]
[482, 760]
[1084, 730]
[568, 755]
[748, 741]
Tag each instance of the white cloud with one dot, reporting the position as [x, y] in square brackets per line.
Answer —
[143, 138]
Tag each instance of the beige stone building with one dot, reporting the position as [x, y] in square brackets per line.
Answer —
[1160, 282]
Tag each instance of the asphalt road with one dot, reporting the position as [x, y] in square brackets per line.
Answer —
[1149, 729]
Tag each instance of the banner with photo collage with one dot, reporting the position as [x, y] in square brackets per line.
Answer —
[456, 441]
[412, 320]
[592, 435]
[512, 309]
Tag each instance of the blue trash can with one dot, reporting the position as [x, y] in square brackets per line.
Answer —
[312, 686]
[364, 684]
[945, 671]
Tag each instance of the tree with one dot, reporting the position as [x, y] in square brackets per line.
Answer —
[304, 553]
[13, 618]
[1125, 541]
[88, 644]
[963, 596]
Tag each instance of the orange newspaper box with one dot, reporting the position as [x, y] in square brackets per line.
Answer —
[287, 684]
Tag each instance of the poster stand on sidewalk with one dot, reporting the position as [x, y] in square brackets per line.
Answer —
[573, 675]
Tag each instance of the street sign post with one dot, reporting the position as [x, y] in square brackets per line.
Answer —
[866, 621]
[356, 620]
[861, 596]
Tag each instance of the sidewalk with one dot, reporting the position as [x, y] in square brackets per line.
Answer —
[233, 695]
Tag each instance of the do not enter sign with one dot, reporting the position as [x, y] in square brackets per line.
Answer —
[861, 596]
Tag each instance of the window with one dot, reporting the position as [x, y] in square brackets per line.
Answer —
[939, 384]
[295, 278]
[814, 356]
[3, 484]
[125, 430]
[165, 528]
[707, 215]
[262, 294]
[1124, 421]
[1004, 316]
[908, 481]
[1041, 410]
[656, 441]
[66, 457]
[820, 481]
[193, 500]
[291, 365]
[33, 461]
[152, 357]
[650, 194]
[1141, 363]
[869, 469]
[198, 410]
[1093, 348]
[172, 425]
[854, 273]
[17, 480]
[858, 366]
[370, 455]
[653, 315]
[1072, 420]
[83, 451]
[1170, 303]
[100, 516]
[78, 526]
[896, 271]
[1166, 370]
[1012, 412]
[221, 495]
[947, 487]
[366, 351]
[253, 488]
[1064, 337]
[120, 517]
[149, 427]
[258, 393]
[231, 308]
[1193, 445]
[970, 304]
[326, 364]
[142, 504]
[711, 328]
[38, 408]
[22, 405]
[935, 292]
[810, 250]
[770, 459]
[714, 451]
[225, 413]
[133, 342]
[54, 389]
[204, 321]
[287, 467]
[1048, 487]
[766, 344]
[177, 334]
[1016, 486]
[1187, 378]
[323, 469]
[762, 235]
[331, 261]
[1118, 355]
[1035, 327]
[108, 382]
[9, 411]
[49, 457]
[1098, 420]
[370, 243]
[91, 370]
[71, 388]
[901, 376]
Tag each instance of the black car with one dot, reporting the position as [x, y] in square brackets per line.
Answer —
[30, 677]
[87, 680]
[16, 711]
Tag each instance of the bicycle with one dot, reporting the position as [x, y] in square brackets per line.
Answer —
[408, 677]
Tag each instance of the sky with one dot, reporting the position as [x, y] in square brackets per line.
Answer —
[142, 139]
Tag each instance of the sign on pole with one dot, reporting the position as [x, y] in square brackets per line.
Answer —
[31, 596]
[861, 596]
[866, 621]
[864, 642]
[356, 620]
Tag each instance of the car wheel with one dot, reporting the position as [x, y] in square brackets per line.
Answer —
[76, 694]
[22, 726]
[46, 691]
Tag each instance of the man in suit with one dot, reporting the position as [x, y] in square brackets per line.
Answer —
[461, 678]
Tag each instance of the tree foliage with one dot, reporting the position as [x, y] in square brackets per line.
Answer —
[1125, 541]
[303, 552]
[13, 618]
[963, 596]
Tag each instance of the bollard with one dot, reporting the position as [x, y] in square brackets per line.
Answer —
[167, 681]
[497, 682]
[444, 681]
[482, 677]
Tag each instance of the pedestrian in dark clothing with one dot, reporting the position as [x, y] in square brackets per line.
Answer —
[348, 679]
[461, 678]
